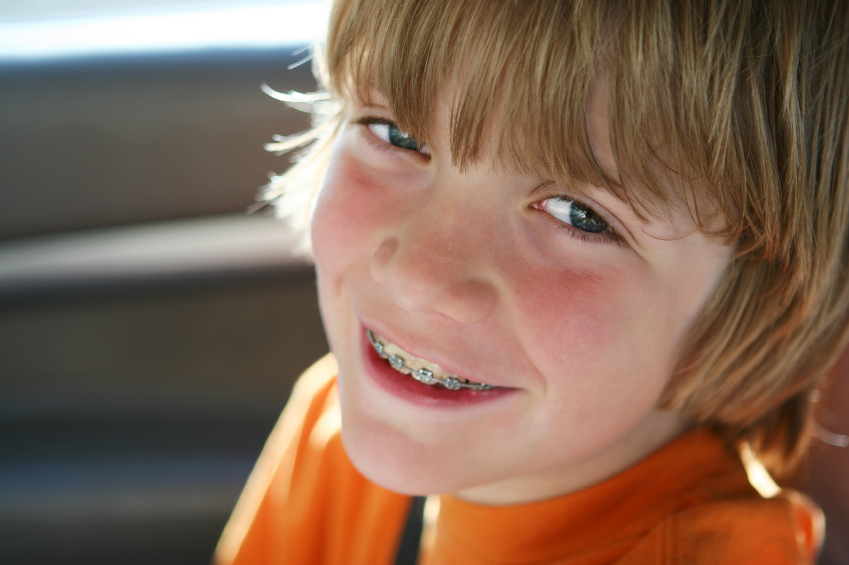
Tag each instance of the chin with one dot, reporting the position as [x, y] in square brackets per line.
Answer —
[390, 459]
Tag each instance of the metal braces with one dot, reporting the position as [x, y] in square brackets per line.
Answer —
[425, 376]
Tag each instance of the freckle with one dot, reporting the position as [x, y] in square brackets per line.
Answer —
[582, 306]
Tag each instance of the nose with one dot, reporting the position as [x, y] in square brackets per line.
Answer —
[436, 266]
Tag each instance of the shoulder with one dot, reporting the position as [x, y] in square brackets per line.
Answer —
[248, 526]
[729, 511]
[305, 502]
[783, 530]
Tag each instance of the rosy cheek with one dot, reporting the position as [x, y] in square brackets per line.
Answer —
[345, 208]
[575, 318]
[355, 202]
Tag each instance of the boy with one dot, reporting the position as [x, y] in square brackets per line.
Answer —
[570, 257]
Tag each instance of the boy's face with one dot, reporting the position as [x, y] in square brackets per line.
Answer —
[570, 306]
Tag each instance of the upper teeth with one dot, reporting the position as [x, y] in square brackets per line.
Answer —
[430, 374]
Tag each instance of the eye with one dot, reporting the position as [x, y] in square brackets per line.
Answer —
[575, 214]
[390, 134]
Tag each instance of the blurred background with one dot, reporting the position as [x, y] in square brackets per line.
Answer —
[150, 330]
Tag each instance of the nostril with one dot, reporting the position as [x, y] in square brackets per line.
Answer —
[381, 259]
[421, 279]
[471, 301]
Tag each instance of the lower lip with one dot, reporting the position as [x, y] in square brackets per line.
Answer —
[411, 390]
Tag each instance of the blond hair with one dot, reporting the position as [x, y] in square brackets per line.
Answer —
[742, 103]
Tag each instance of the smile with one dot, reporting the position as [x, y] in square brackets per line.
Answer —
[406, 365]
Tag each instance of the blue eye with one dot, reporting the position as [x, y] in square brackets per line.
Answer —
[389, 133]
[575, 214]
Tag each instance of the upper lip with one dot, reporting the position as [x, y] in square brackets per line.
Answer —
[432, 355]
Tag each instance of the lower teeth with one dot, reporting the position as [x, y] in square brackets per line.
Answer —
[425, 376]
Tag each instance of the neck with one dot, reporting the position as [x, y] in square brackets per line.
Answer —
[653, 432]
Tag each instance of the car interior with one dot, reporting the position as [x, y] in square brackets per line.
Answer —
[150, 328]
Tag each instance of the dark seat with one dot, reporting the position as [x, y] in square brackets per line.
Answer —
[150, 331]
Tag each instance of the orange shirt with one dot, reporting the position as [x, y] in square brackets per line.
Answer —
[689, 503]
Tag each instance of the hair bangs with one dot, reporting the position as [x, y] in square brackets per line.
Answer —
[520, 76]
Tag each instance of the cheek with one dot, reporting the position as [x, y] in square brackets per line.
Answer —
[342, 211]
[355, 204]
[605, 323]
[571, 313]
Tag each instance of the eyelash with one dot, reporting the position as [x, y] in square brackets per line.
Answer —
[381, 145]
[580, 235]
[605, 237]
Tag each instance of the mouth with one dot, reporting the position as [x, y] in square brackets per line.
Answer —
[419, 369]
